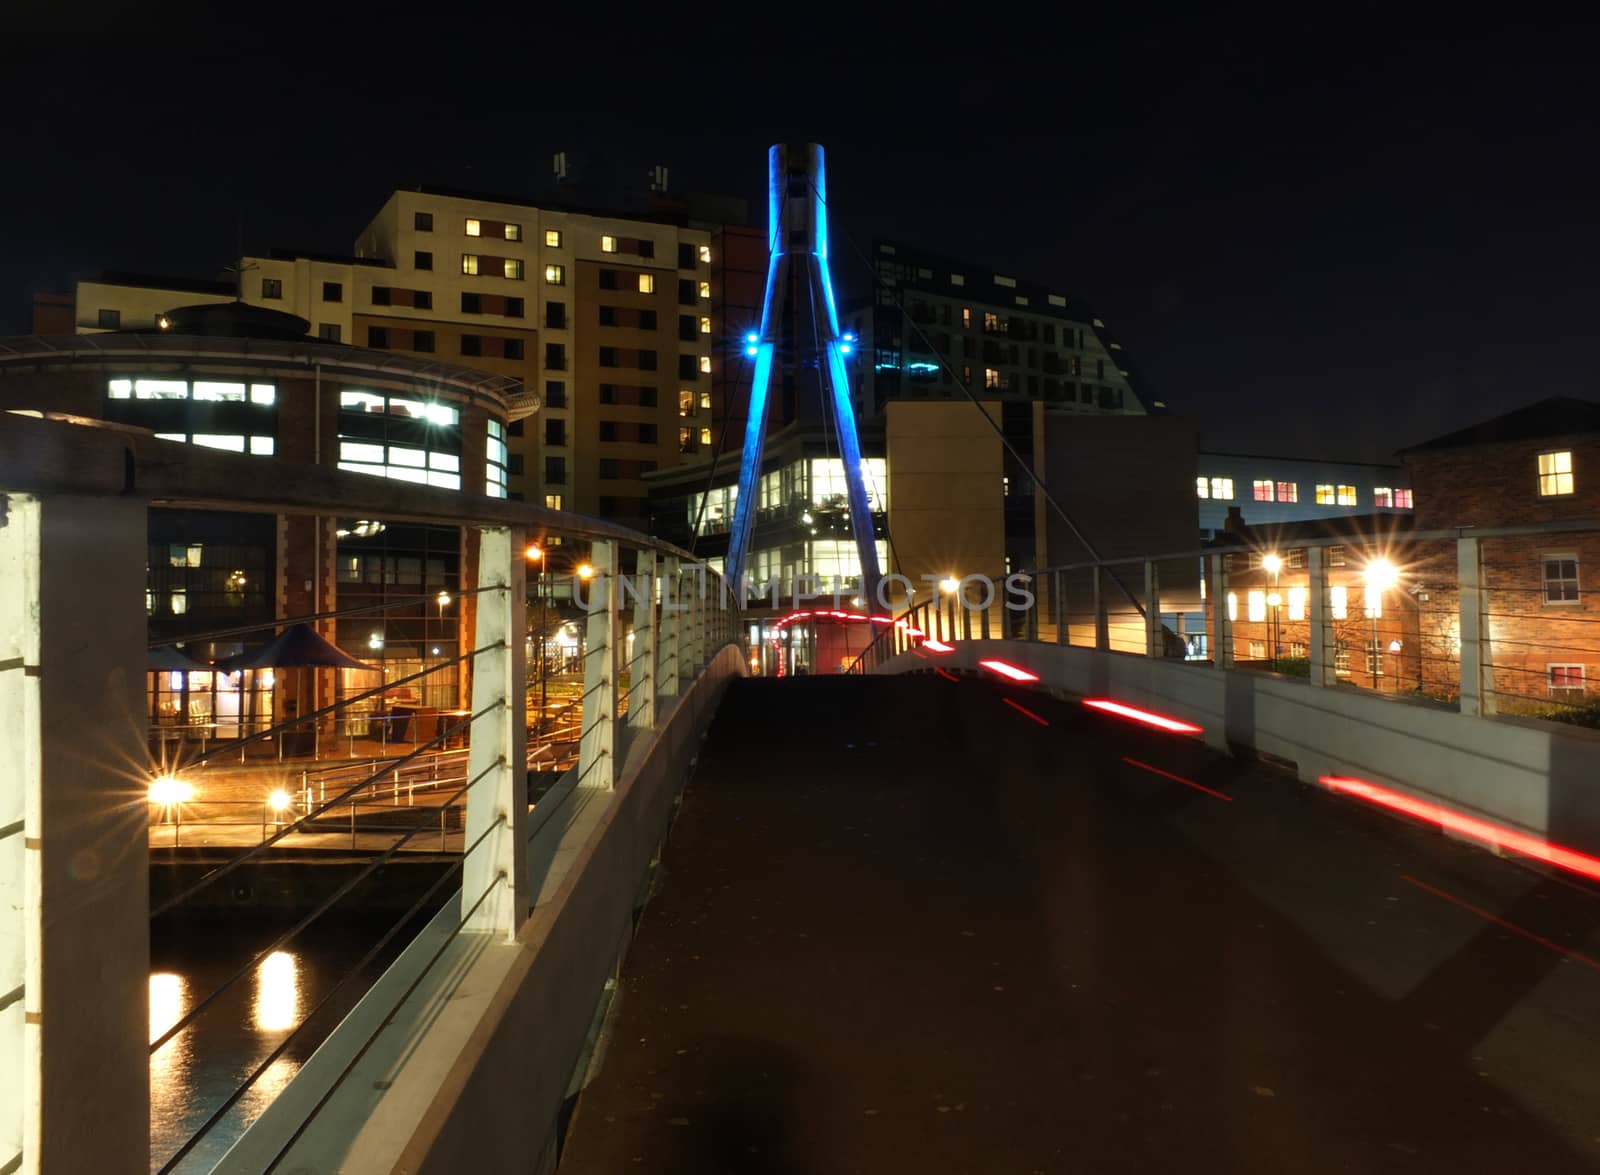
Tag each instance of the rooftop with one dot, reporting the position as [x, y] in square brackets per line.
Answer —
[1555, 417]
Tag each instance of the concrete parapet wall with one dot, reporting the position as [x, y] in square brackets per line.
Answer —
[1538, 777]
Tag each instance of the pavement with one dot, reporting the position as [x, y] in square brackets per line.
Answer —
[904, 926]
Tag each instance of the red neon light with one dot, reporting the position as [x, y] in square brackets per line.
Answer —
[938, 646]
[1006, 669]
[1177, 779]
[946, 676]
[882, 620]
[1025, 710]
[1145, 716]
[1493, 834]
[1501, 922]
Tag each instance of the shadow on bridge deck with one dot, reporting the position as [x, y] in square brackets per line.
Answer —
[905, 927]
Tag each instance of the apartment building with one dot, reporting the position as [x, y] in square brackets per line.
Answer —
[612, 321]
[1267, 490]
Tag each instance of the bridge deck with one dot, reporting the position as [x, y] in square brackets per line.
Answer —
[906, 928]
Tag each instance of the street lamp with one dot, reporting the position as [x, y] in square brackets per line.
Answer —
[949, 585]
[1273, 564]
[585, 571]
[1380, 576]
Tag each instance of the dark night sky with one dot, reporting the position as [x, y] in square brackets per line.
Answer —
[1301, 261]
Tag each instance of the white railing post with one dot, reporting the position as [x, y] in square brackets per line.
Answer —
[1477, 660]
[74, 836]
[646, 639]
[1322, 668]
[1063, 634]
[1221, 626]
[683, 647]
[498, 756]
[1154, 642]
[597, 745]
[671, 630]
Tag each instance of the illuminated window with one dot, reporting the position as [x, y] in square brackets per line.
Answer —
[1263, 491]
[218, 392]
[1297, 603]
[686, 440]
[1403, 500]
[552, 238]
[1561, 579]
[474, 228]
[991, 378]
[966, 317]
[1298, 649]
[1288, 491]
[1233, 606]
[1555, 473]
[991, 321]
[705, 289]
[1347, 495]
[1341, 659]
[705, 436]
[1382, 496]
[179, 555]
[608, 244]
[1258, 650]
[514, 268]
[262, 446]
[1256, 605]
[555, 275]
[513, 232]
[647, 283]
[1297, 558]
[552, 501]
[178, 601]
[469, 264]
[1222, 488]
[1339, 602]
[1372, 602]
[705, 325]
[705, 401]
[705, 365]
[705, 254]
[1565, 679]
[1324, 495]
[1335, 556]
[685, 402]
[495, 461]
[1202, 487]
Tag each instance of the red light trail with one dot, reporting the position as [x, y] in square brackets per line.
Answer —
[1006, 669]
[1177, 779]
[1024, 710]
[1501, 922]
[1149, 718]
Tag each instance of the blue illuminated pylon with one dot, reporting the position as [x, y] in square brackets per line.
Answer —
[797, 236]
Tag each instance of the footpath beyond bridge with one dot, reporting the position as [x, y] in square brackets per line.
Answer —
[905, 926]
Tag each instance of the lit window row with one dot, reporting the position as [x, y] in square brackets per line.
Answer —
[430, 411]
[256, 446]
[211, 391]
[402, 463]
[474, 265]
[1276, 491]
[1217, 488]
[511, 232]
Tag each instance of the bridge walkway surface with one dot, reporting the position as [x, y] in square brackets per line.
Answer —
[903, 926]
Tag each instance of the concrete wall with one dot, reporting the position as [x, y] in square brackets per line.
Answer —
[945, 500]
[1539, 778]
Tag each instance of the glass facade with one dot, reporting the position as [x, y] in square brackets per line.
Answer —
[238, 417]
[401, 437]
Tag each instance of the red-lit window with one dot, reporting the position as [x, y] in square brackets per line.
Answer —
[1263, 491]
[1402, 499]
[1288, 491]
[1565, 679]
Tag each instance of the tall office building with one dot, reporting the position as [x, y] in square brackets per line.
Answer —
[612, 320]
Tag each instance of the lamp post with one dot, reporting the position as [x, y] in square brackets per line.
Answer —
[1380, 576]
[1273, 564]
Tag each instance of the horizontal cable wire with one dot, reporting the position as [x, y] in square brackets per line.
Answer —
[365, 609]
[398, 1004]
[360, 965]
[377, 862]
[232, 864]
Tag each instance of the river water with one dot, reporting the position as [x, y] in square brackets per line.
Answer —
[195, 1072]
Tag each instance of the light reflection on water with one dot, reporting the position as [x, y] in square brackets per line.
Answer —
[195, 1072]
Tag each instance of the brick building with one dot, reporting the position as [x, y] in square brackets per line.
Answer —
[1537, 466]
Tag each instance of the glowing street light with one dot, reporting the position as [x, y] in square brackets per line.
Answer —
[949, 585]
[168, 791]
[1273, 564]
[1382, 574]
[533, 553]
[585, 571]
[278, 800]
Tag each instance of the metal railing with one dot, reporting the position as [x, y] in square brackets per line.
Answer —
[428, 793]
[1488, 620]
